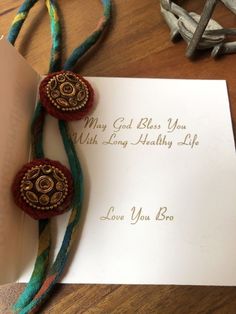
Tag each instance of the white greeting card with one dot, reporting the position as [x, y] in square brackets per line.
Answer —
[160, 177]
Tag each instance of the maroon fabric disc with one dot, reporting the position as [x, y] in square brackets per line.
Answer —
[66, 95]
[43, 188]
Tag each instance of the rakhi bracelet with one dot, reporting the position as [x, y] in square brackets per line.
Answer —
[44, 236]
[44, 185]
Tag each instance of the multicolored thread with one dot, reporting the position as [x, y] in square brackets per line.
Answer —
[37, 290]
[44, 235]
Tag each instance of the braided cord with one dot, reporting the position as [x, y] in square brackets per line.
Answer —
[56, 32]
[92, 39]
[44, 235]
[58, 266]
[40, 267]
[55, 63]
[19, 20]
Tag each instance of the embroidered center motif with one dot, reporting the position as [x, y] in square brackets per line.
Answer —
[44, 187]
[67, 92]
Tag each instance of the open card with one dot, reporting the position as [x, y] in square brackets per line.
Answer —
[159, 164]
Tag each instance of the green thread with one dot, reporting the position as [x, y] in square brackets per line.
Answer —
[92, 39]
[19, 20]
[60, 262]
[56, 32]
[39, 271]
[42, 260]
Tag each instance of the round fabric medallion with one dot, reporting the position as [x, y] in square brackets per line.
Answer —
[66, 95]
[43, 188]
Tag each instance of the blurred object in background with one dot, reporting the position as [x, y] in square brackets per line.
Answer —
[199, 31]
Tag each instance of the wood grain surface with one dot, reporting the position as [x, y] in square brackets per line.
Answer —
[136, 45]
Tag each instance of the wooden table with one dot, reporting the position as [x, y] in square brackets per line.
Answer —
[136, 45]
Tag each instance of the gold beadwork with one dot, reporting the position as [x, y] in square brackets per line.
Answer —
[44, 187]
[44, 184]
[67, 92]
